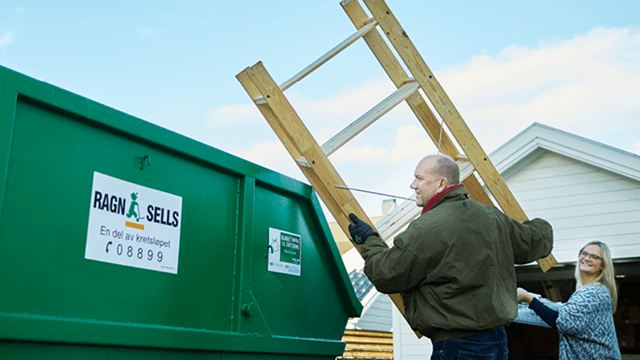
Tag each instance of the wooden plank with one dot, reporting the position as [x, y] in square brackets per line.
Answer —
[416, 102]
[436, 94]
[370, 117]
[253, 92]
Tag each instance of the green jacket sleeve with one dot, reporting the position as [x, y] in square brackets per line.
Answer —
[531, 240]
[389, 269]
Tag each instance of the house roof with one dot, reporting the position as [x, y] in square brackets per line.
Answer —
[539, 136]
[361, 284]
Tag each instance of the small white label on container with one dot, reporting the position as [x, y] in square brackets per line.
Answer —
[285, 252]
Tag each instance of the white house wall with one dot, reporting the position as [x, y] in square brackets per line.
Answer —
[376, 316]
[581, 201]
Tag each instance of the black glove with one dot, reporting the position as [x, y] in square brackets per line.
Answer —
[360, 231]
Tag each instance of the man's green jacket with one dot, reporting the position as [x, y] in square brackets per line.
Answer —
[454, 266]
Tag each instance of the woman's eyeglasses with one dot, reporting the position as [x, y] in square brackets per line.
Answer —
[590, 256]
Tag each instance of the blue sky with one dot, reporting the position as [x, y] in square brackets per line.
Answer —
[572, 65]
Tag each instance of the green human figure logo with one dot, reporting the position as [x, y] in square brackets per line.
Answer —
[134, 209]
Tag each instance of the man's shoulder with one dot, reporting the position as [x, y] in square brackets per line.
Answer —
[464, 201]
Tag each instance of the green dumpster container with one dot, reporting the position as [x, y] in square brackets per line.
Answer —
[122, 240]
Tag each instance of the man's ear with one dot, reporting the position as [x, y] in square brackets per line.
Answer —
[443, 184]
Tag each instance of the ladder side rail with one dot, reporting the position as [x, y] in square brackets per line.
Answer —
[434, 91]
[429, 122]
[416, 102]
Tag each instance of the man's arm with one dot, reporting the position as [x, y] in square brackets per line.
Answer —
[389, 269]
[531, 240]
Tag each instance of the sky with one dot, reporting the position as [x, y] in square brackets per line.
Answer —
[571, 65]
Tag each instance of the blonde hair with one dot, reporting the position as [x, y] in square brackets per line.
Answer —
[607, 276]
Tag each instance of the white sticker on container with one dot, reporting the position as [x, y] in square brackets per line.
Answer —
[133, 225]
[285, 250]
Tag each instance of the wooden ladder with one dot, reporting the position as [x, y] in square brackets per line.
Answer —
[313, 158]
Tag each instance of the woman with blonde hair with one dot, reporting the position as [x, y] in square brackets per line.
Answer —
[585, 322]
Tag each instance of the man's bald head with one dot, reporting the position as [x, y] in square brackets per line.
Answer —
[446, 167]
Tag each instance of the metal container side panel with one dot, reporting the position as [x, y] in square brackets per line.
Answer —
[309, 304]
[271, 179]
[48, 192]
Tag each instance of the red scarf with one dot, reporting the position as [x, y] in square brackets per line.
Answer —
[437, 197]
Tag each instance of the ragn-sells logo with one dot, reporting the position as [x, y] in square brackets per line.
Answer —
[133, 225]
[117, 205]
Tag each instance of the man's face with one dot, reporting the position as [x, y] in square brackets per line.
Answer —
[426, 184]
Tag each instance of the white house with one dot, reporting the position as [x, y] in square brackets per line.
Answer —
[585, 189]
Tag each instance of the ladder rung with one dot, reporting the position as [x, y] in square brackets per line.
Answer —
[302, 161]
[462, 158]
[331, 53]
[324, 58]
[466, 169]
[406, 90]
[397, 219]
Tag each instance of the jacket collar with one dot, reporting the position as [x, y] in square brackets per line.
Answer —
[436, 198]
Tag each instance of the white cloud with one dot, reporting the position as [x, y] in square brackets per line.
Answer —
[338, 110]
[264, 152]
[7, 38]
[588, 85]
[232, 114]
[272, 155]
[410, 142]
[323, 117]
[326, 117]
